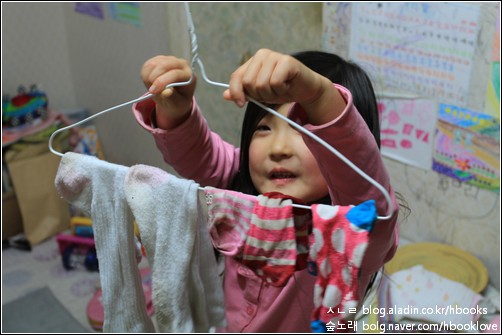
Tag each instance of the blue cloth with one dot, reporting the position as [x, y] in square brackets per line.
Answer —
[318, 326]
[363, 215]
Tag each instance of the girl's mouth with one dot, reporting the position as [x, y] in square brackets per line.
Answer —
[281, 177]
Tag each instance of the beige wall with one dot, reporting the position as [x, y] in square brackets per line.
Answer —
[226, 32]
[34, 50]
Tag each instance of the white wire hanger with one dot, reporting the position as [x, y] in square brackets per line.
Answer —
[196, 59]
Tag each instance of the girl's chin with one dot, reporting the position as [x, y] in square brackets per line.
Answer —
[282, 182]
[286, 189]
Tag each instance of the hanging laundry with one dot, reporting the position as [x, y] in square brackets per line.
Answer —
[97, 188]
[260, 232]
[187, 292]
[263, 233]
[340, 239]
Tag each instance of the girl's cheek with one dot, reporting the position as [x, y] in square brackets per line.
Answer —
[256, 152]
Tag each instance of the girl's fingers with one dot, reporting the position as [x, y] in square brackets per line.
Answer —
[160, 80]
[267, 77]
[235, 92]
[281, 78]
[160, 71]
[261, 89]
[255, 80]
[167, 92]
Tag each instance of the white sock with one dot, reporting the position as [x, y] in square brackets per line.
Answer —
[210, 307]
[166, 211]
[96, 187]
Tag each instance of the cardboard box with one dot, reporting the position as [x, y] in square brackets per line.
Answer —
[43, 212]
[12, 222]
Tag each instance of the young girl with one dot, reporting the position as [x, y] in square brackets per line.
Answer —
[330, 97]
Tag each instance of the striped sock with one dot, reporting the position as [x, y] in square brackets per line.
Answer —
[264, 233]
[270, 247]
[229, 217]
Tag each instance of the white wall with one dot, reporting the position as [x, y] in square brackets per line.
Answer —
[82, 61]
[34, 50]
[106, 58]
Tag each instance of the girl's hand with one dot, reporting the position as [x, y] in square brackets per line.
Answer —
[173, 105]
[274, 78]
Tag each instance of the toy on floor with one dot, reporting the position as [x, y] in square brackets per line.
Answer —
[95, 310]
[77, 251]
[81, 226]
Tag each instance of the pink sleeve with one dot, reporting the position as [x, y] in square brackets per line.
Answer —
[191, 148]
[350, 135]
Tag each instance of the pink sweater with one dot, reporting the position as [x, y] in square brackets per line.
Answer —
[199, 154]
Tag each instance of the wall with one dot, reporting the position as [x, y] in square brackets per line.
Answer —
[228, 32]
[82, 61]
[106, 59]
[34, 50]
[443, 209]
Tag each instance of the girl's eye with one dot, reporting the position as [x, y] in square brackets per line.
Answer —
[262, 127]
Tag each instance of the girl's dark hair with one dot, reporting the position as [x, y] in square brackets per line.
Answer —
[336, 69]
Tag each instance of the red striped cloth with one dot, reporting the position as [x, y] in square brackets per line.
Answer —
[277, 242]
[265, 233]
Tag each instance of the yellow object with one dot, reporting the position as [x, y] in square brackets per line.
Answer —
[445, 260]
[136, 229]
[84, 221]
[80, 220]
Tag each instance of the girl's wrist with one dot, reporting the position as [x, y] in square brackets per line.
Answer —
[165, 121]
[325, 107]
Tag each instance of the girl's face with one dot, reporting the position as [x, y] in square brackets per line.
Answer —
[279, 161]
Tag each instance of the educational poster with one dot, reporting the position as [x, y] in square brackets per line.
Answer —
[407, 130]
[467, 147]
[336, 24]
[127, 12]
[492, 103]
[94, 9]
[425, 48]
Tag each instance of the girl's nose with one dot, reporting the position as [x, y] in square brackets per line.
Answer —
[281, 146]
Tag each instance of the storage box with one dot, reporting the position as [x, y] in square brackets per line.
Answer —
[12, 223]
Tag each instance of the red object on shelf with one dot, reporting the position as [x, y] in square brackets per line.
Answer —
[21, 100]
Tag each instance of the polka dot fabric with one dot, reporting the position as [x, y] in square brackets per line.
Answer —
[339, 241]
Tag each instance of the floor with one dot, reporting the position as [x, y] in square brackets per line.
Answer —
[24, 271]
